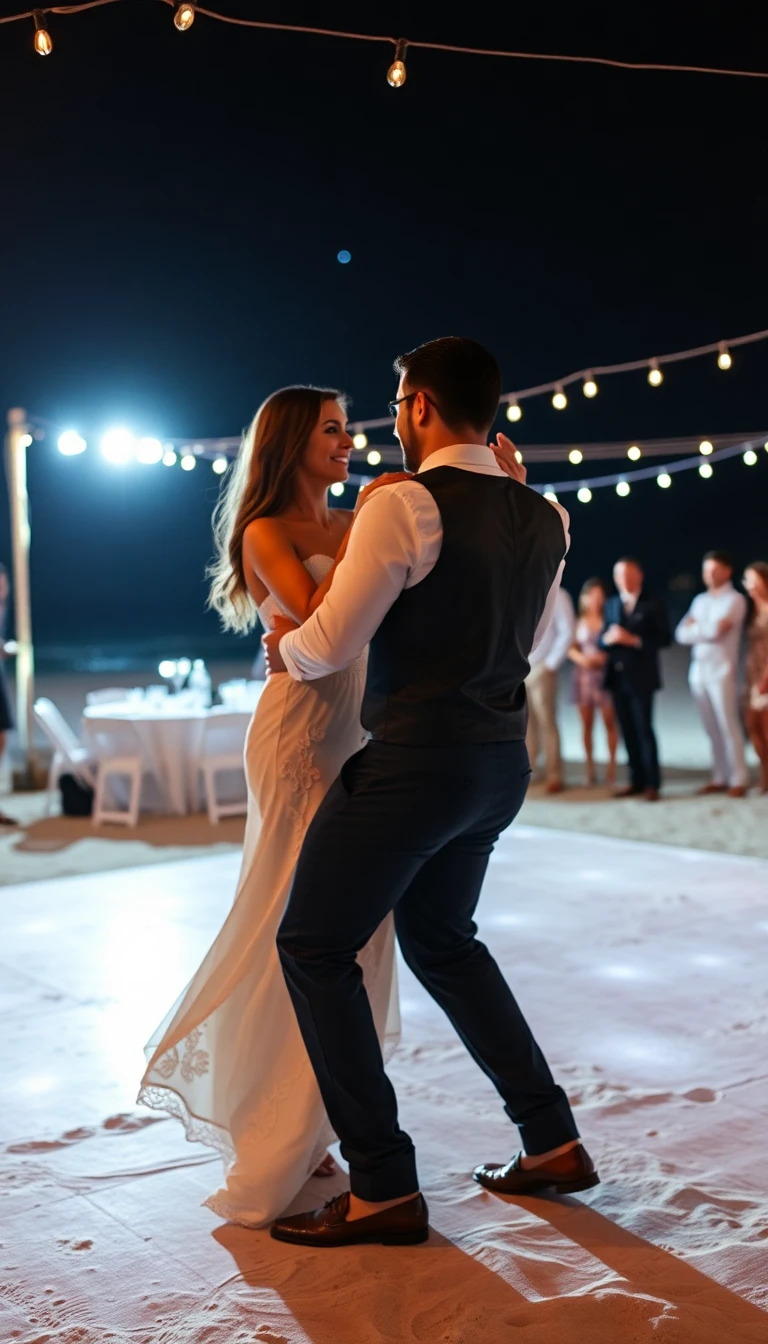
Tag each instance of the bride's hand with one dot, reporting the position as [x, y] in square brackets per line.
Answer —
[389, 478]
[505, 453]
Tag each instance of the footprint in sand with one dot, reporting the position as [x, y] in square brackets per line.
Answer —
[122, 1123]
[701, 1094]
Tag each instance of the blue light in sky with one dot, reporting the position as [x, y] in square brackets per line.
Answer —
[344, 256]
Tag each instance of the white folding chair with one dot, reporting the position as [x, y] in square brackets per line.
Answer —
[69, 754]
[112, 695]
[221, 752]
[118, 753]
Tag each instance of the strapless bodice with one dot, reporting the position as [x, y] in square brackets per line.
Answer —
[318, 566]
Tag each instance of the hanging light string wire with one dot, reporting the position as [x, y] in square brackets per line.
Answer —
[411, 44]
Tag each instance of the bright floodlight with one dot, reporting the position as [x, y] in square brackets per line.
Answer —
[149, 451]
[750, 457]
[374, 457]
[584, 494]
[188, 462]
[220, 465]
[169, 458]
[70, 443]
[514, 412]
[575, 456]
[664, 480]
[337, 488]
[167, 667]
[118, 446]
[360, 441]
[622, 488]
[633, 453]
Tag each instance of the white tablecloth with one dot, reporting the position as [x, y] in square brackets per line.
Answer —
[170, 737]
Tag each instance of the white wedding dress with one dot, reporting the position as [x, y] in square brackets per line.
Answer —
[229, 1060]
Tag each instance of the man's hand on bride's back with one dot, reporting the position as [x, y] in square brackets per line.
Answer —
[389, 478]
[271, 642]
[505, 453]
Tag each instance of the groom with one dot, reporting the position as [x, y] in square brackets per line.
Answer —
[451, 578]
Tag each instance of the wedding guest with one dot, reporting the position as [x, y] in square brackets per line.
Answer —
[636, 628]
[541, 689]
[6, 717]
[713, 629]
[756, 709]
[588, 691]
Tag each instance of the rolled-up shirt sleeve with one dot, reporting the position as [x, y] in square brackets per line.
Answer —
[384, 546]
[549, 607]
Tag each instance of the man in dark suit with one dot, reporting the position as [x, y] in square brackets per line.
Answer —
[636, 627]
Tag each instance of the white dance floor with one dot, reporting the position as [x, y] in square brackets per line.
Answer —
[643, 971]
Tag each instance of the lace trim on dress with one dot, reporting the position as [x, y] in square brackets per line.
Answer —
[196, 1129]
[302, 773]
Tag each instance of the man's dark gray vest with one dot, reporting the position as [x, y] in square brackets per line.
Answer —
[448, 662]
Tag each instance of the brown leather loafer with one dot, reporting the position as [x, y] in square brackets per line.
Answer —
[403, 1225]
[566, 1174]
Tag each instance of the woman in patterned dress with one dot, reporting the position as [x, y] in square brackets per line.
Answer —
[588, 692]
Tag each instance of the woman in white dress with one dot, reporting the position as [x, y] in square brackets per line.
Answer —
[229, 1060]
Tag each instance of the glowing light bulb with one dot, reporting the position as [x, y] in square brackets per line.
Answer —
[118, 446]
[664, 480]
[514, 412]
[184, 17]
[750, 457]
[634, 453]
[559, 399]
[360, 441]
[575, 456]
[551, 496]
[219, 465]
[655, 376]
[724, 360]
[706, 470]
[584, 494]
[705, 448]
[397, 73]
[167, 668]
[188, 462]
[70, 443]
[149, 451]
[622, 488]
[374, 457]
[590, 387]
[518, 455]
[26, 441]
[169, 458]
[43, 39]
[337, 488]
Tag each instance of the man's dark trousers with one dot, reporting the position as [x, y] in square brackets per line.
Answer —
[409, 829]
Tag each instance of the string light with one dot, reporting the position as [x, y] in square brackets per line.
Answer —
[622, 488]
[750, 457]
[514, 412]
[559, 400]
[169, 458]
[184, 17]
[634, 453]
[706, 470]
[575, 456]
[219, 465]
[724, 360]
[118, 446]
[584, 494]
[655, 376]
[43, 39]
[149, 451]
[590, 386]
[337, 489]
[705, 448]
[374, 457]
[70, 443]
[188, 462]
[551, 496]
[360, 441]
[518, 456]
[664, 480]
[397, 73]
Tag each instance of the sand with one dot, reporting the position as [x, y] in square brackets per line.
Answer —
[642, 969]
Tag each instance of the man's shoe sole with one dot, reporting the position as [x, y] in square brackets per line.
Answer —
[384, 1239]
[559, 1187]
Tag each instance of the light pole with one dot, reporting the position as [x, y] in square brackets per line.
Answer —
[30, 775]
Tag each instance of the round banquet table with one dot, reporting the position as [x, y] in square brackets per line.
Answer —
[170, 735]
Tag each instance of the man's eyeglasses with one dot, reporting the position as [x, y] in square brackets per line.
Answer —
[393, 405]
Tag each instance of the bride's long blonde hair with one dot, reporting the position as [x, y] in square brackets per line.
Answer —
[259, 485]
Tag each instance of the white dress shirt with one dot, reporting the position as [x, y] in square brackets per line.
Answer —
[713, 653]
[552, 648]
[394, 544]
[629, 602]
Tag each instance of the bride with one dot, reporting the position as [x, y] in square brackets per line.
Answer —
[229, 1060]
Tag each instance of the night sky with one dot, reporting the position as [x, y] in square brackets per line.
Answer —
[173, 206]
